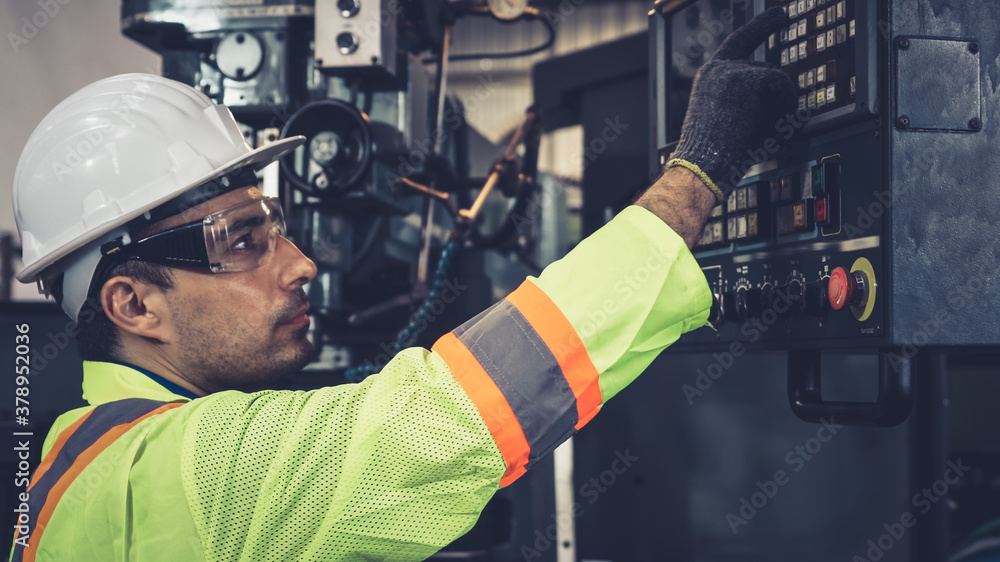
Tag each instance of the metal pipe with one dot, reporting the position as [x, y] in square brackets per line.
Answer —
[472, 211]
[426, 231]
[427, 228]
[442, 85]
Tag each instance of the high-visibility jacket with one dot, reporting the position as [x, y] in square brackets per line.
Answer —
[393, 468]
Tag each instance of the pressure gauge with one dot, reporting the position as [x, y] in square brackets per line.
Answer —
[508, 10]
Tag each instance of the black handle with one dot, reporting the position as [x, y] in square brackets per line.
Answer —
[891, 407]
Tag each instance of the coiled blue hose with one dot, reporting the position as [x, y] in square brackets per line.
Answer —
[404, 337]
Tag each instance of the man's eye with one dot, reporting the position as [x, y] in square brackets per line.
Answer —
[243, 243]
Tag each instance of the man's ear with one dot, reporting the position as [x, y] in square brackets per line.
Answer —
[136, 307]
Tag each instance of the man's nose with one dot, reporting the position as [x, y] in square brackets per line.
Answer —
[296, 268]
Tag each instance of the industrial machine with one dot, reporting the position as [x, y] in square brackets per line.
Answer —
[373, 196]
[857, 223]
[860, 222]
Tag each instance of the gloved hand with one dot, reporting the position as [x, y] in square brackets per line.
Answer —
[734, 106]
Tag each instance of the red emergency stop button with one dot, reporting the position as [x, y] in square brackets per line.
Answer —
[842, 288]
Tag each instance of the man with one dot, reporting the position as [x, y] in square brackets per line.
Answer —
[198, 301]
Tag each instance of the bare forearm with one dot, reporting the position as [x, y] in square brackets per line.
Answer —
[681, 200]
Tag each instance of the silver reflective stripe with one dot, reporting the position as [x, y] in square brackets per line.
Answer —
[527, 373]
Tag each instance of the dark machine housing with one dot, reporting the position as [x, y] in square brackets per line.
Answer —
[863, 221]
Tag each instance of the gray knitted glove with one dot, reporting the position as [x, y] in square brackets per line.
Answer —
[735, 103]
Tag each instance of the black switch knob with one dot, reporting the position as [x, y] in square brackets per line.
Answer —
[347, 42]
[787, 299]
[734, 305]
[349, 8]
[759, 300]
[715, 317]
[814, 299]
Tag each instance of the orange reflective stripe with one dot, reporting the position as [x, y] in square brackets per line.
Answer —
[491, 403]
[56, 447]
[565, 344]
[49, 458]
[77, 467]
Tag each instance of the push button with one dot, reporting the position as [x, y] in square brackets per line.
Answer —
[841, 288]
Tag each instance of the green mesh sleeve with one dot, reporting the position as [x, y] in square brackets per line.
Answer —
[393, 468]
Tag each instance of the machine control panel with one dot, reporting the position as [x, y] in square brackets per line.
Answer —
[817, 51]
[789, 257]
[802, 201]
[783, 264]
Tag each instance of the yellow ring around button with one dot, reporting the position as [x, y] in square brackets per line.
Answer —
[865, 266]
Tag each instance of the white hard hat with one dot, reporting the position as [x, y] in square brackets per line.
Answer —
[108, 154]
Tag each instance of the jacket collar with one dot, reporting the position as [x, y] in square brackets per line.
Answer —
[106, 382]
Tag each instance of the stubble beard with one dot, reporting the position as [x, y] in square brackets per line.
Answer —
[236, 362]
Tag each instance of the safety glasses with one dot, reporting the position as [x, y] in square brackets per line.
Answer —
[239, 238]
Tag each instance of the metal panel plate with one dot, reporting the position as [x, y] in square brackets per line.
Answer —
[937, 85]
[363, 41]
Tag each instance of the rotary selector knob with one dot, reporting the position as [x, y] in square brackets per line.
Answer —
[349, 8]
[790, 296]
[734, 305]
[759, 300]
[347, 42]
[715, 316]
[815, 301]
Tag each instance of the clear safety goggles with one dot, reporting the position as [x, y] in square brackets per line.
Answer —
[239, 238]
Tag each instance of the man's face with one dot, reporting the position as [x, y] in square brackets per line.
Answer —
[242, 330]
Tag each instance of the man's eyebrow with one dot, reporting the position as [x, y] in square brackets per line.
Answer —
[251, 221]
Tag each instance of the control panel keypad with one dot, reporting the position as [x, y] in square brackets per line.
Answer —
[819, 40]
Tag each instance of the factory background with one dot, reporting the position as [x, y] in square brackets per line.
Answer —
[702, 459]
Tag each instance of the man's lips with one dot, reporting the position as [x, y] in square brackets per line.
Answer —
[299, 318]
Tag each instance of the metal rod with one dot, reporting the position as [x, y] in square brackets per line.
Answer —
[424, 189]
[472, 211]
[427, 228]
[442, 85]
[426, 232]
[508, 154]
[529, 121]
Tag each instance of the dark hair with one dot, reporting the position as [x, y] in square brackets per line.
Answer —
[97, 336]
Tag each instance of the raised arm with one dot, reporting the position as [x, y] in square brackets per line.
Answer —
[734, 106]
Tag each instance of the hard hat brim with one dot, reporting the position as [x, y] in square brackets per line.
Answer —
[258, 158]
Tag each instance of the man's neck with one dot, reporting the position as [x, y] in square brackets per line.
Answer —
[155, 363]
